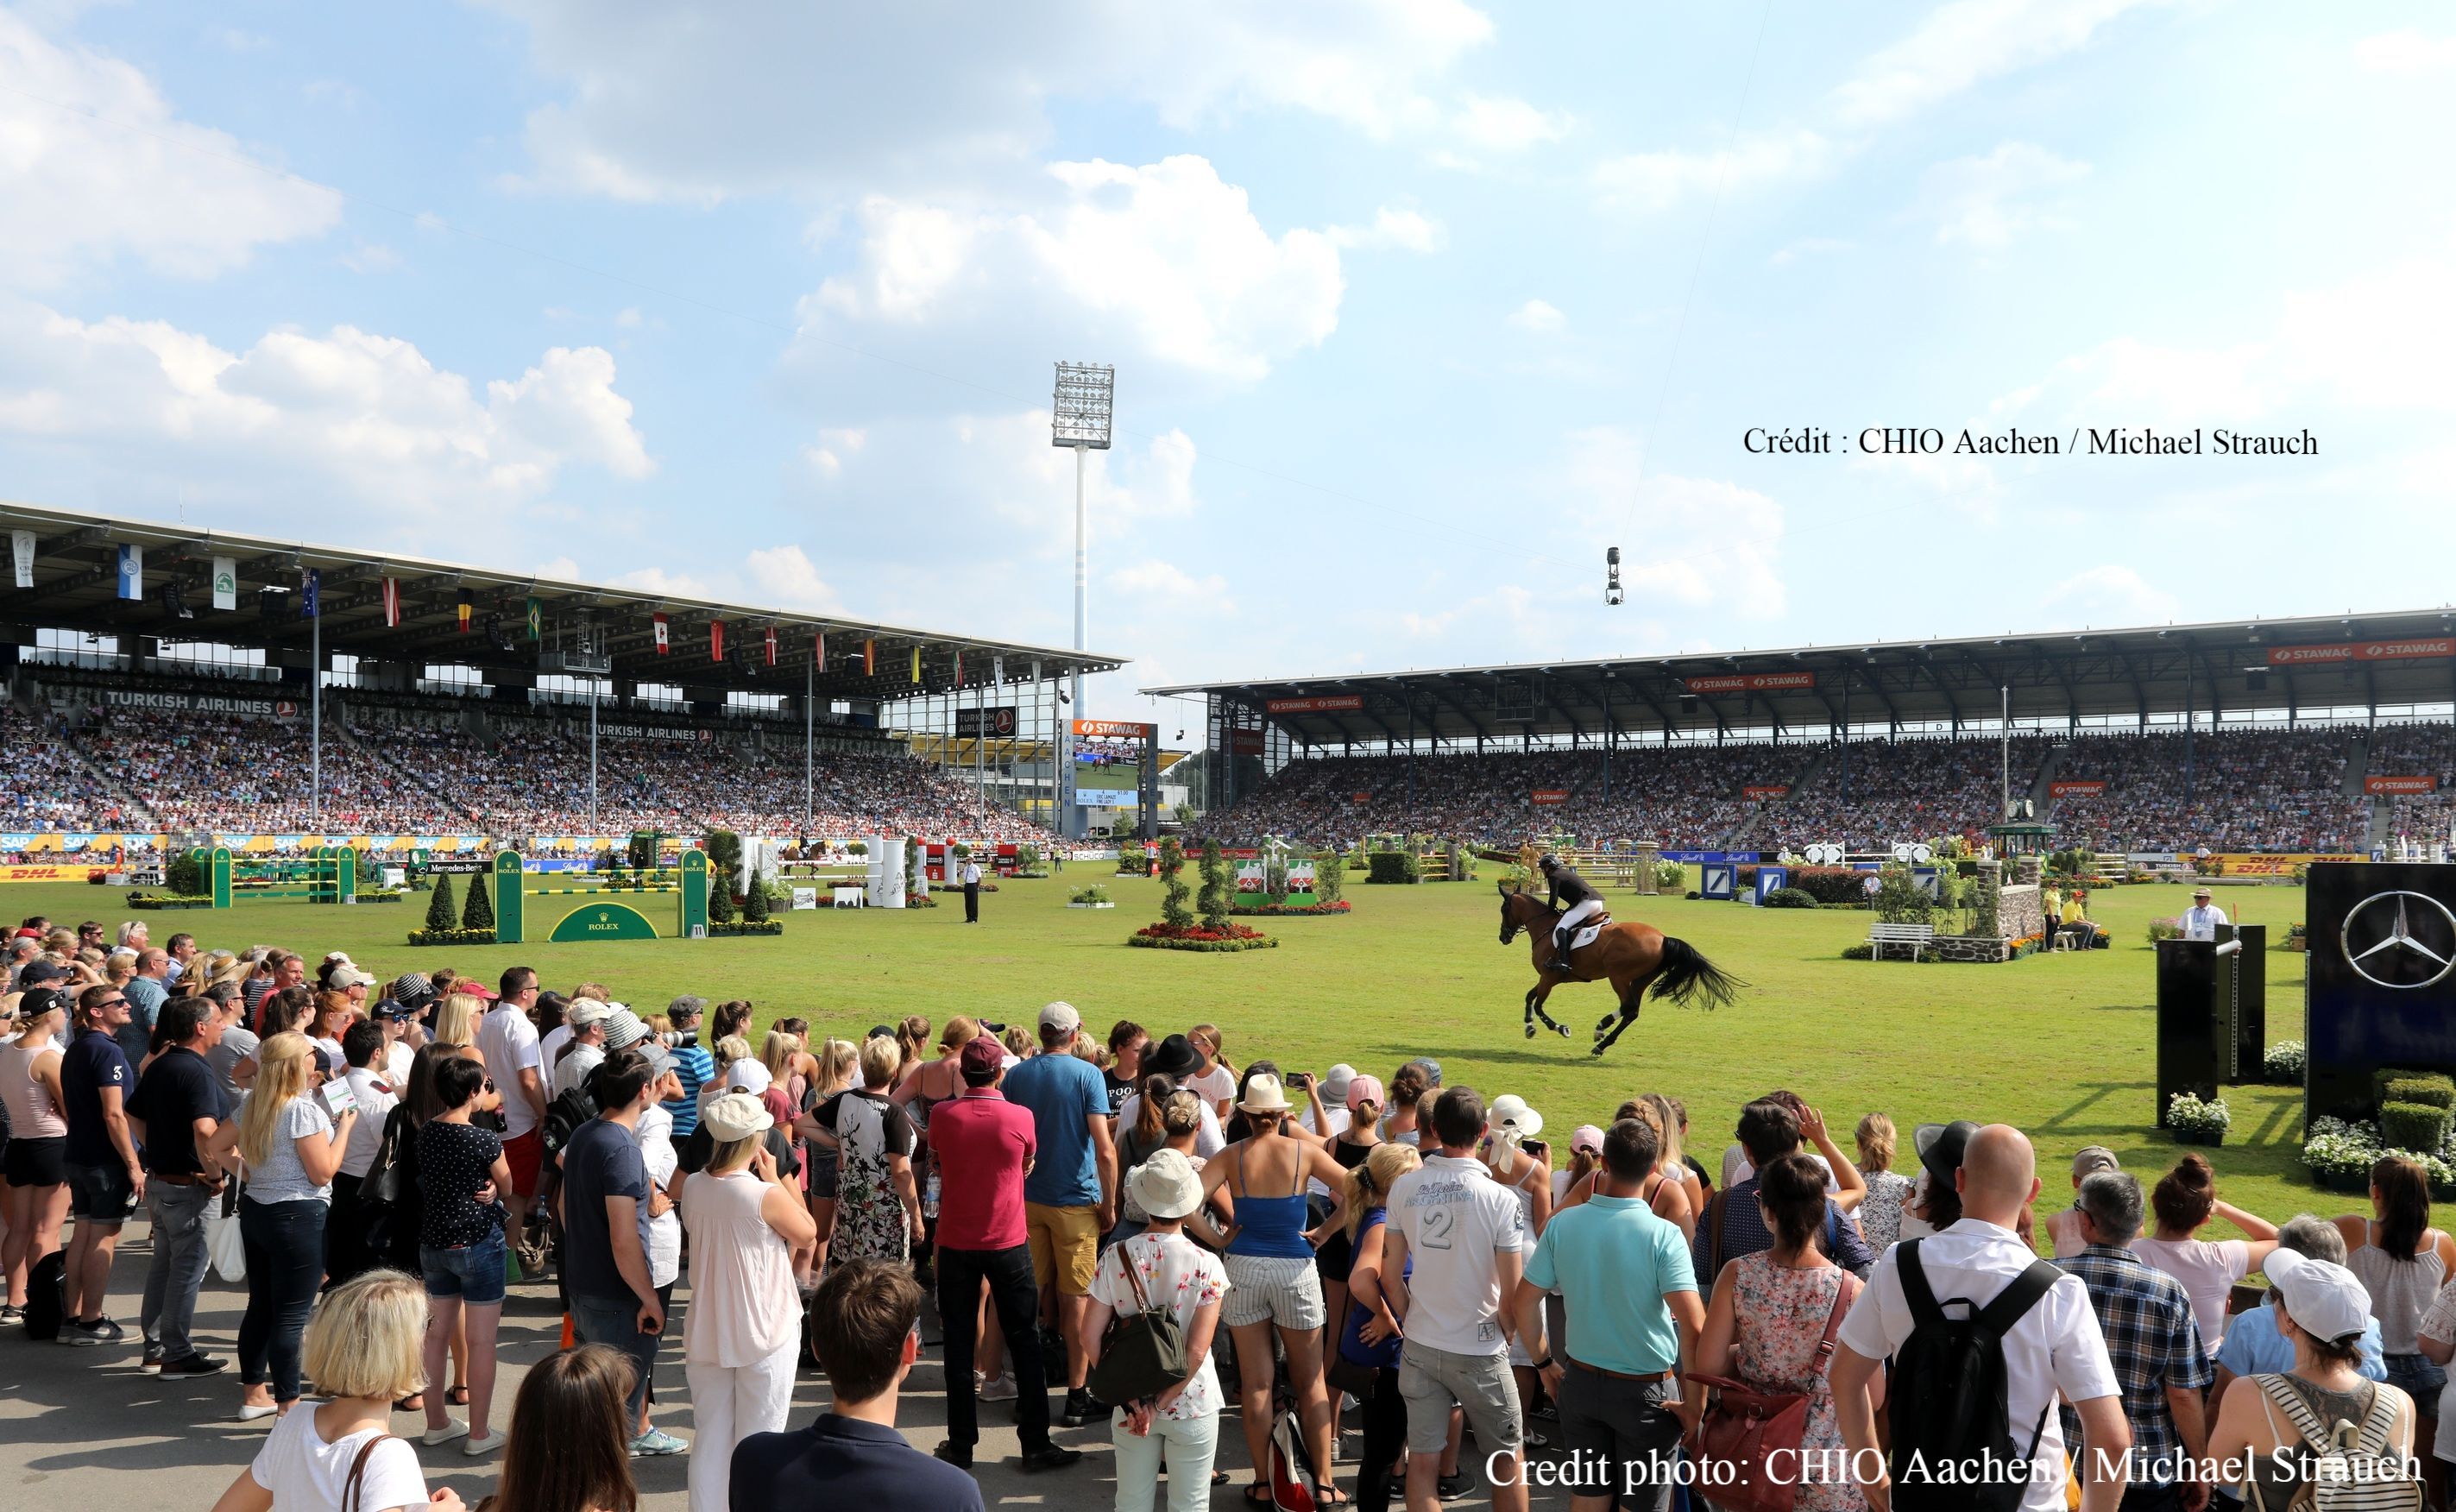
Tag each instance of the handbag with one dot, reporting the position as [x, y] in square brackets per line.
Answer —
[225, 1250]
[1744, 1428]
[1144, 1354]
[354, 1490]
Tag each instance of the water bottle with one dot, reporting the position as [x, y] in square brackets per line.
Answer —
[929, 1198]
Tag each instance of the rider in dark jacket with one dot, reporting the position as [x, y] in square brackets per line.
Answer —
[1574, 893]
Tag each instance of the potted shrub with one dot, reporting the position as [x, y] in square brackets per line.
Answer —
[2194, 1122]
[2282, 1063]
[1095, 896]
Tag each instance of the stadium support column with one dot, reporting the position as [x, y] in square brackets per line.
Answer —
[2187, 731]
[316, 720]
[1148, 781]
[595, 696]
[809, 746]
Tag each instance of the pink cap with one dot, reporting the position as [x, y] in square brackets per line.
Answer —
[1589, 1138]
[1362, 1089]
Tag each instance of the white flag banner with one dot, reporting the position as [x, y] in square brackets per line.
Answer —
[21, 544]
[132, 571]
[225, 582]
[997, 669]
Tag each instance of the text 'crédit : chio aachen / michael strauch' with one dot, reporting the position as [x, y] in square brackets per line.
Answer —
[2081, 440]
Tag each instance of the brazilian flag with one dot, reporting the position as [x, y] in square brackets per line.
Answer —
[537, 619]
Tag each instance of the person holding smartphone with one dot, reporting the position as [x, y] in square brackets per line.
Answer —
[291, 1132]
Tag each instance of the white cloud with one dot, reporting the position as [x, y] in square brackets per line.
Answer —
[1405, 230]
[1648, 183]
[348, 418]
[1964, 43]
[1502, 124]
[1174, 585]
[785, 577]
[2406, 52]
[371, 256]
[1536, 314]
[2108, 594]
[2129, 381]
[94, 166]
[1986, 202]
[1706, 542]
[700, 104]
[1165, 256]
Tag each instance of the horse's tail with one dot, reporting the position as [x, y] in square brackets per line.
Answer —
[1686, 973]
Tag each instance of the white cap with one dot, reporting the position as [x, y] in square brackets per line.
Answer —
[1334, 1084]
[736, 1115]
[1061, 1016]
[585, 1012]
[2327, 1301]
[748, 1076]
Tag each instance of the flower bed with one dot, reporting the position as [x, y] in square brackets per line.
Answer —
[2284, 1063]
[452, 936]
[746, 926]
[2339, 1157]
[1194, 937]
[1290, 911]
[169, 900]
[2194, 1122]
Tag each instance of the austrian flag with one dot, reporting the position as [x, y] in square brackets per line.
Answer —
[392, 604]
[663, 634]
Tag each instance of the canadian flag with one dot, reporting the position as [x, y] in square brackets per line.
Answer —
[392, 604]
[771, 645]
[664, 645]
[716, 640]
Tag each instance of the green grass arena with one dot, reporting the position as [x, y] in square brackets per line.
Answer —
[2060, 1045]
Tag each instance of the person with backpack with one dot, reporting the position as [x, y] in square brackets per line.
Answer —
[1982, 1334]
[2347, 1443]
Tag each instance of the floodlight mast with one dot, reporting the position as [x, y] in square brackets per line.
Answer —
[1081, 414]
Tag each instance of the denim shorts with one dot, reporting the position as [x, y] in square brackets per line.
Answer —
[473, 1272]
[2414, 1376]
[101, 1194]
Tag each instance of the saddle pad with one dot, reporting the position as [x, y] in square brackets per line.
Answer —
[1589, 931]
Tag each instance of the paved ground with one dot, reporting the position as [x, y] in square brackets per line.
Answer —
[88, 1430]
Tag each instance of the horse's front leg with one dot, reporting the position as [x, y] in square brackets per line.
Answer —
[1535, 1008]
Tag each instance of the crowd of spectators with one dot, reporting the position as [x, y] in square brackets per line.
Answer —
[45, 786]
[251, 777]
[2251, 790]
[2418, 750]
[1913, 788]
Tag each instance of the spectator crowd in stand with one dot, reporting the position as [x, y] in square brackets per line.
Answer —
[1493, 1311]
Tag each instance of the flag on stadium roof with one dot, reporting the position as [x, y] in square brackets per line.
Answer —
[819, 638]
[537, 619]
[461, 611]
[225, 582]
[310, 599]
[22, 546]
[660, 624]
[131, 572]
[716, 640]
[869, 656]
[917, 663]
[771, 645]
[392, 604]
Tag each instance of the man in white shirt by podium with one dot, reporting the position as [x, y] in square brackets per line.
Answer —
[2201, 919]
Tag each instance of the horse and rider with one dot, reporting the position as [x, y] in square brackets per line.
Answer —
[1633, 958]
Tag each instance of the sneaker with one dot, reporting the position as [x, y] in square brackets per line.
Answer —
[481, 1446]
[452, 1429]
[960, 1459]
[191, 1364]
[101, 1331]
[151, 1364]
[1050, 1456]
[1451, 1487]
[1080, 1408]
[654, 1442]
[1001, 1389]
[11, 1315]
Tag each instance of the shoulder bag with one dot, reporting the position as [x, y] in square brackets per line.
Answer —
[1744, 1426]
[1144, 1354]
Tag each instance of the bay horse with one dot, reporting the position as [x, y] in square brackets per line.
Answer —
[1631, 956]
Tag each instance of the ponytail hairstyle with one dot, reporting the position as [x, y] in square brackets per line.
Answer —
[1876, 1142]
[1148, 1131]
[2185, 1196]
[838, 1060]
[1667, 1124]
[1368, 1185]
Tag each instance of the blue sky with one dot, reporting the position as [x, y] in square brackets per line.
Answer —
[1416, 306]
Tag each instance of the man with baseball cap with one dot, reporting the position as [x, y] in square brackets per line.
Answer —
[2064, 1228]
[583, 1047]
[985, 1144]
[2201, 921]
[1071, 1197]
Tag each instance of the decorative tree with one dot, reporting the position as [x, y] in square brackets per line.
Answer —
[755, 901]
[915, 876]
[1173, 910]
[184, 874]
[1218, 891]
[1329, 875]
[479, 911]
[719, 895]
[441, 914]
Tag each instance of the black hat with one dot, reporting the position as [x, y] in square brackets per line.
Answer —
[38, 972]
[1941, 1147]
[40, 1000]
[1174, 1056]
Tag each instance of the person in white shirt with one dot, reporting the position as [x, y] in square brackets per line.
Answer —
[583, 1025]
[2201, 919]
[509, 1043]
[2055, 1346]
[1467, 1234]
[970, 876]
[345, 1249]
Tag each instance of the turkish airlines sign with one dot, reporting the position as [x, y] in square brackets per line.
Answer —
[1115, 729]
[2089, 789]
[1338, 703]
[1748, 682]
[2360, 651]
[2424, 784]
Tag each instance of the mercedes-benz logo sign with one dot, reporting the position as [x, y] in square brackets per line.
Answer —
[2399, 940]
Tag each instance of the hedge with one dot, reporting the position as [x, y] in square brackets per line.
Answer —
[2430, 1092]
[1790, 898]
[1391, 866]
[452, 936]
[746, 926]
[2413, 1126]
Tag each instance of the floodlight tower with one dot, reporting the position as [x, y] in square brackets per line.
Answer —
[1081, 414]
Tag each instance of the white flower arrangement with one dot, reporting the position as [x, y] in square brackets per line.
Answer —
[2334, 1146]
[2186, 1114]
[2284, 1061]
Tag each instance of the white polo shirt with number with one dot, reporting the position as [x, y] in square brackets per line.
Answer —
[1456, 1219]
[509, 1042]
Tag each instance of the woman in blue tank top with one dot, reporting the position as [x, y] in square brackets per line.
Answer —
[1272, 1281]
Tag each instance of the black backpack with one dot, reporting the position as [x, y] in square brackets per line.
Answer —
[571, 1108]
[45, 1296]
[1948, 1395]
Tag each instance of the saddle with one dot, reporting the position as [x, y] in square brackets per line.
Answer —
[1588, 931]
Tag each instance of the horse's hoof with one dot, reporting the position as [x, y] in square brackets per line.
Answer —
[1562, 1030]
[1598, 1049]
[1530, 1031]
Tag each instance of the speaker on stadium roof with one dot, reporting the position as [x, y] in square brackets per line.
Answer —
[1688, 706]
[2255, 680]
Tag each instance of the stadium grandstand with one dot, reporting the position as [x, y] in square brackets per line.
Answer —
[166, 679]
[2324, 736]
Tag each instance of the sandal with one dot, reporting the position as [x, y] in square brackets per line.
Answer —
[1258, 1493]
[415, 1402]
[457, 1395]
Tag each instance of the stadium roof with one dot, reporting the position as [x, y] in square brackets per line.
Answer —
[77, 587]
[2353, 660]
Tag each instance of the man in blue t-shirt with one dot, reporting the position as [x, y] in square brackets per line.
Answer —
[1634, 1314]
[692, 1063]
[606, 1204]
[105, 1181]
[1070, 1198]
[861, 1328]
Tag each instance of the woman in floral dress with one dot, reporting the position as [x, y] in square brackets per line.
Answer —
[1768, 1317]
[878, 1206]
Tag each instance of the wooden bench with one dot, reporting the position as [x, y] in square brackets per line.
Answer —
[1917, 936]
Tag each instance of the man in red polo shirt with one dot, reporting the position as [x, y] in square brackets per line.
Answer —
[984, 1145]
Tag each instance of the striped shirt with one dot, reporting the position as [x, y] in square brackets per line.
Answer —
[696, 1068]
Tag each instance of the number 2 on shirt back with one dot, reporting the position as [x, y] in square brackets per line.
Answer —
[1436, 1228]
